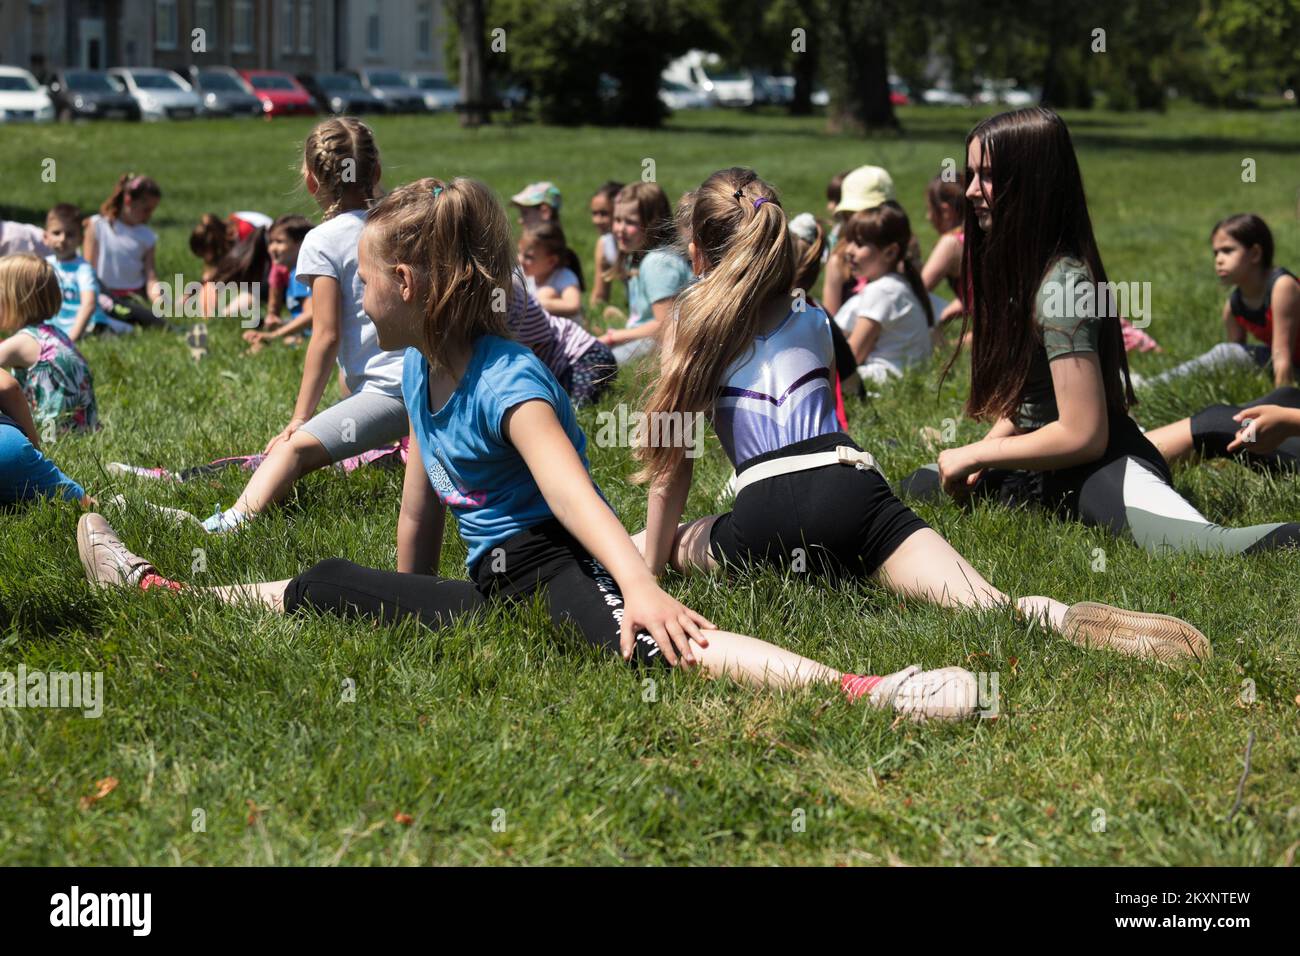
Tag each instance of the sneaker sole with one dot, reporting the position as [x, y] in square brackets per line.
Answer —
[1134, 633]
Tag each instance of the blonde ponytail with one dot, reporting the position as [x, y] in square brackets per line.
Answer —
[739, 229]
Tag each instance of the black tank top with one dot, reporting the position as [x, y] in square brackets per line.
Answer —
[1259, 321]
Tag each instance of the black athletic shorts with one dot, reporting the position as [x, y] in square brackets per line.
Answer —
[835, 521]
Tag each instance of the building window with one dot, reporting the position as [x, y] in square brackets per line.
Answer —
[374, 34]
[243, 38]
[286, 26]
[205, 18]
[424, 27]
[305, 27]
[165, 25]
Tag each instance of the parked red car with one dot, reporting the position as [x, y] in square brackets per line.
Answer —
[280, 93]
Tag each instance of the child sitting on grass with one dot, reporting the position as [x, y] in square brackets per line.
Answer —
[537, 203]
[553, 270]
[606, 251]
[655, 271]
[80, 312]
[283, 241]
[52, 374]
[120, 246]
[888, 323]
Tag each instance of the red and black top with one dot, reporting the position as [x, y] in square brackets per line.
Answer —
[1259, 321]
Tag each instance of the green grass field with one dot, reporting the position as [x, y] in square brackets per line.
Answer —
[508, 744]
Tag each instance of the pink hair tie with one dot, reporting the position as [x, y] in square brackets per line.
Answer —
[135, 184]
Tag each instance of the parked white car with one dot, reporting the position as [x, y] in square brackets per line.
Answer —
[679, 96]
[22, 99]
[941, 96]
[439, 92]
[161, 93]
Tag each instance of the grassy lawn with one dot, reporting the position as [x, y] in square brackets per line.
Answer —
[1094, 759]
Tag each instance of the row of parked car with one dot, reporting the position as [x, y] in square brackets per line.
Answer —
[151, 93]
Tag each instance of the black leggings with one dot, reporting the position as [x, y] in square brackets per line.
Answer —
[1213, 429]
[544, 559]
[1128, 489]
[134, 308]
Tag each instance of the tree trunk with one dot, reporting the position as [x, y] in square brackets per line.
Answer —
[805, 74]
[864, 91]
[474, 110]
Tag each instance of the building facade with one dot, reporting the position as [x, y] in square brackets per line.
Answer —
[292, 35]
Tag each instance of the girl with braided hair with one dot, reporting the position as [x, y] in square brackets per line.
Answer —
[341, 171]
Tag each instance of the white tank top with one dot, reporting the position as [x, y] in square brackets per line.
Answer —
[120, 256]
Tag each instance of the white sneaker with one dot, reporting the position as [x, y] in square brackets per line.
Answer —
[106, 559]
[175, 516]
[138, 471]
[948, 693]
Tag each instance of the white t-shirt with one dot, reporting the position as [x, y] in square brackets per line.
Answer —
[17, 237]
[608, 249]
[904, 335]
[119, 260]
[331, 250]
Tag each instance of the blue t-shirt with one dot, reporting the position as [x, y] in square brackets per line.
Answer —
[75, 277]
[472, 466]
[662, 275]
[295, 294]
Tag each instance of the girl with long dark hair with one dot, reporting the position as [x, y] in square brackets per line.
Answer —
[1048, 363]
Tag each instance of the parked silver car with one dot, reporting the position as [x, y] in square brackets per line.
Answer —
[224, 92]
[439, 92]
[161, 93]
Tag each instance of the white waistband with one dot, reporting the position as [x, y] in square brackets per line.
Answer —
[842, 455]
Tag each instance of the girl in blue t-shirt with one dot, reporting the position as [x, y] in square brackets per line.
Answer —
[494, 439]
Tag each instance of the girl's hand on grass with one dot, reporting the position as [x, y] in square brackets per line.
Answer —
[285, 435]
[1272, 426]
[672, 624]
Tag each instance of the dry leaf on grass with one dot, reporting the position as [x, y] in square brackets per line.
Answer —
[102, 789]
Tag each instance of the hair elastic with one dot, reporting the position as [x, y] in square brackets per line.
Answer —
[738, 194]
[759, 201]
[437, 191]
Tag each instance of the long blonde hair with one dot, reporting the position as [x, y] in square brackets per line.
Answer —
[456, 238]
[29, 292]
[341, 153]
[739, 229]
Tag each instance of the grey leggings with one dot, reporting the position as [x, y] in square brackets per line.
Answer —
[1129, 489]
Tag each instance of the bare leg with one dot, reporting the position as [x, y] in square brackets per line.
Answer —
[691, 550]
[926, 566]
[270, 594]
[759, 664]
[947, 693]
[274, 478]
[1173, 441]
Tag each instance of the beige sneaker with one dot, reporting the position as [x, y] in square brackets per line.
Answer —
[949, 693]
[1135, 633]
[106, 559]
